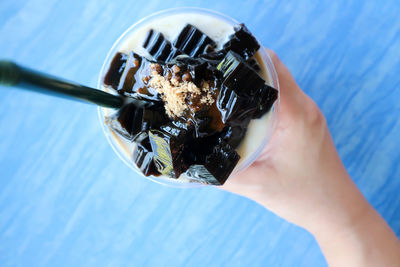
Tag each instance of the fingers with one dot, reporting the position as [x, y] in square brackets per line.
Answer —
[291, 96]
[286, 80]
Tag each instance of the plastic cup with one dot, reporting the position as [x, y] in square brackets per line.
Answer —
[112, 137]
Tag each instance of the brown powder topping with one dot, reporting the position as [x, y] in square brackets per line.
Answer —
[177, 93]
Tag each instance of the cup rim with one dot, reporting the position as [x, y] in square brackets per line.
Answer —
[168, 12]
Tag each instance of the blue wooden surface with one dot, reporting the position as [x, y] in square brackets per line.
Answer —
[67, 200]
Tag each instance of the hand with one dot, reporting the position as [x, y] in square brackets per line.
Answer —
[296, 174]
[300, 177]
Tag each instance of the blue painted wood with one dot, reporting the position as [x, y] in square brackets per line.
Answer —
[67, 200]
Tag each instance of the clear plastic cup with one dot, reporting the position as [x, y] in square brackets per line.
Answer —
[124, 150]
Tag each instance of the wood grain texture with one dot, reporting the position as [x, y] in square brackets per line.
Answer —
[67, 200]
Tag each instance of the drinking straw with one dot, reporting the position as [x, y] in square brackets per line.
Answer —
[13, 75]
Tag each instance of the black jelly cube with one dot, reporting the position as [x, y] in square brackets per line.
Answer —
[242, 42]
[217, 166]
[267, 96]
[115, 70]
[235, 109]
[133, 120]
[239, 76]
[135, 77]
[233, 135]
[192, 41]
[159, 47]
[197, 149]
[128, 79]
[201, 126]
[168, 145]
[143, 158]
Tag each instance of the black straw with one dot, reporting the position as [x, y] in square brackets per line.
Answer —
[12, 74]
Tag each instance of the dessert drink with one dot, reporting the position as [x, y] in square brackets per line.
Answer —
[198, 94]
